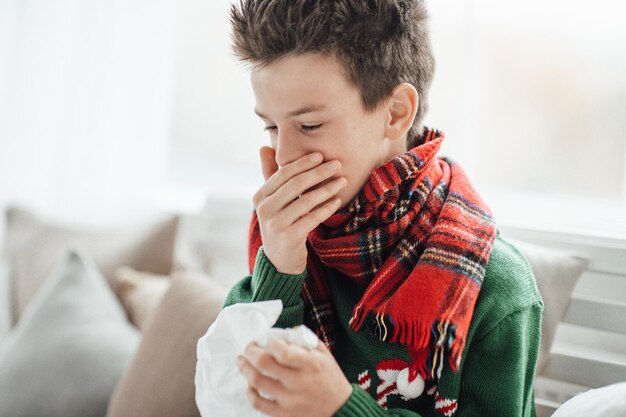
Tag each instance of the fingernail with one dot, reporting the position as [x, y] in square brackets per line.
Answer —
[342, 182]
[316, 157]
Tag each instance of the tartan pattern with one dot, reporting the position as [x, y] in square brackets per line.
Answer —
[418, 237]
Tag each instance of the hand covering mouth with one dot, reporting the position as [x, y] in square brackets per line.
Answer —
[318, 185]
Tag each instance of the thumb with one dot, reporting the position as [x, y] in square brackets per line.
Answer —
[268, 161]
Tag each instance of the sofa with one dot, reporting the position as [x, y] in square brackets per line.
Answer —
[104, 323]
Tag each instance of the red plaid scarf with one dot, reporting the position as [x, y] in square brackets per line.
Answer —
[418, 237]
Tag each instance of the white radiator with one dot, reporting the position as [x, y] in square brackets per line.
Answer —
[589, 349]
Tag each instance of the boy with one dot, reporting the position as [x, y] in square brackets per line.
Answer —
[381, 248]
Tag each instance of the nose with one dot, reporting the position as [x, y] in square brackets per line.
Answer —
[286, 149]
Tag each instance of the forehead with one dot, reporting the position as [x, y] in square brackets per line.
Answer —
[302, 80]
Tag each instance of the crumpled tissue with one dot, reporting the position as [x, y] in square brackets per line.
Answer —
[220, 388]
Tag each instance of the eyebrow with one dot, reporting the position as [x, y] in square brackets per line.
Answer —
[299, 112]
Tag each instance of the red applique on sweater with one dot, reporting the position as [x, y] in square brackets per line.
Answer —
[445, 406]
[387, 371]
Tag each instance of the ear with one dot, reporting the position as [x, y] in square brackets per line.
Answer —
[402, 108]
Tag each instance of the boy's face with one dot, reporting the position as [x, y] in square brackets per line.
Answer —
[308, 106]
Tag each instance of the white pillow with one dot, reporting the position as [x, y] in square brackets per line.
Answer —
[215, 241]
[69, 349]
[609, 401]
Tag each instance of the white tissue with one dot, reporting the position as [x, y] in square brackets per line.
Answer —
[220, 388]
[301, 335]
[607, 401]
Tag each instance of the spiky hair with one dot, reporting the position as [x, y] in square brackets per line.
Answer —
[379, 43]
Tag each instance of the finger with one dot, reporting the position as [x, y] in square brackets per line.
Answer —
[257, 380]
[313, 199]
[263, 360]
[289, 355]
[268, 162]
[286, 172]
[299, 184]
[265, 406]
[311, 220]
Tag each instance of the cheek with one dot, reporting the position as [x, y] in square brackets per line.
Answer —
[358, 163]
[340, 144]
[357, 174]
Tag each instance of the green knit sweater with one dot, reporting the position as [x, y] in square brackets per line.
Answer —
[495, 378]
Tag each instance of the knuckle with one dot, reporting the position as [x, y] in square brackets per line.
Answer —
[256, 198]
[283, 355]
[282, 236]
[270, 224]
[261, 208]
[317, 366]
[296, 183]
[264, 361]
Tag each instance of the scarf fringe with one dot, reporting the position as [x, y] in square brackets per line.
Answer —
[428, 346]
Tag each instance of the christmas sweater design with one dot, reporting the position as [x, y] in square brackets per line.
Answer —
[387, 372]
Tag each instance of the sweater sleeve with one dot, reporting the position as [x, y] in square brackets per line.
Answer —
[497, 377]
[362, 405]
[265, 284]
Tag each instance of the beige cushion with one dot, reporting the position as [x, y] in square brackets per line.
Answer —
[140, 293]
[215, 241]
[33, 246]
[160, 379]
[556, 273]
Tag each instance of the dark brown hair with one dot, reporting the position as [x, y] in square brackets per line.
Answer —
[379, 43]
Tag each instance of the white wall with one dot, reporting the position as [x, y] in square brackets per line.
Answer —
[106, 105]
[531, 96]
[85, 104]
[215, 133]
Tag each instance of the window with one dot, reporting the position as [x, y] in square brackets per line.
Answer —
[215, 133]
[531, 95]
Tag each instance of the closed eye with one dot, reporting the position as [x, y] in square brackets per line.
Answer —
[310, 128]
